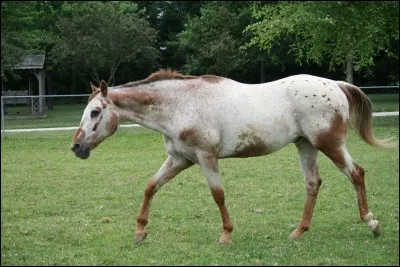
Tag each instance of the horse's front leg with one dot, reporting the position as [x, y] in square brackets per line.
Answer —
[171, 167]
[209, 166]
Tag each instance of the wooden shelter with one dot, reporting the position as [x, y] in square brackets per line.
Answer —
[35, 63]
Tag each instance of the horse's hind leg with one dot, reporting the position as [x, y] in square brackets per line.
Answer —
[332, 143]
[343, 161]
[308, 163]
[171, 167]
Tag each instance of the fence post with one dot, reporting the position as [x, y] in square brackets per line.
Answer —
[119, 130]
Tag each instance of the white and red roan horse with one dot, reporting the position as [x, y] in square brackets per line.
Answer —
[206, 118]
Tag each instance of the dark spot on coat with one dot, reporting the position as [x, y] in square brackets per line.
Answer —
[112, 124]
[330, 140]
[136, 96]
[189, 136]
[95, 126]
[79, 135]
[250, 146]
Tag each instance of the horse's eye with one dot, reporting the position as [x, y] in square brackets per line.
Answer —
[94, 113]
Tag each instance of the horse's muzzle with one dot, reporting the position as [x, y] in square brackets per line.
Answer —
[81, 151]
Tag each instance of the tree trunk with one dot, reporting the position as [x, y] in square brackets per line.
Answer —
[349, 67]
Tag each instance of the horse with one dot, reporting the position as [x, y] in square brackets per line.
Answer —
[206, 118]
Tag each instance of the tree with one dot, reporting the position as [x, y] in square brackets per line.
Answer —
[25, 30]
[102, 35]
[210, 41]
[169, 18]
[348, 33]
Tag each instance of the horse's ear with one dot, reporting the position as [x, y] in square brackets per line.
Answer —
[94, 88]
[103, 88]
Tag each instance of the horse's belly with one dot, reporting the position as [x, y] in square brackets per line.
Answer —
[258, 139]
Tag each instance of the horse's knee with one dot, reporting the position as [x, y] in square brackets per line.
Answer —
[313, 186]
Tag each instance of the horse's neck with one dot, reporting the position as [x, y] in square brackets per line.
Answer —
[143, 104]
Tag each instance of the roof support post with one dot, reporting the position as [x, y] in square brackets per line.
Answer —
[41, 78]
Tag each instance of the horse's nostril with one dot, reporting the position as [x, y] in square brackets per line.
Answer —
[76, 147]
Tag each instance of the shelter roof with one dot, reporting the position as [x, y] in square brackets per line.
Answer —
[32, 62]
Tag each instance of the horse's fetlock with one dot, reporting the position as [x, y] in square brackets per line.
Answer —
[305, 228]
[367, 218]
[228, 228]
[142, 221]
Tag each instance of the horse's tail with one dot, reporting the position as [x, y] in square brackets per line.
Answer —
[361, 114]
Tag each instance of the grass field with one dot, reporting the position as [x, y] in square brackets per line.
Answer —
[57, 209]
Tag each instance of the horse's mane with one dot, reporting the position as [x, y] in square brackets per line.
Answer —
[161, 75]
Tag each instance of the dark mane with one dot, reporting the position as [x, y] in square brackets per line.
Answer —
[161, 75]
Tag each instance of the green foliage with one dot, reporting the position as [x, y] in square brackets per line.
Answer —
[102, 35]
[334, 30]
[169, 18]
[126, 41]
[26, 29]
[210, 41]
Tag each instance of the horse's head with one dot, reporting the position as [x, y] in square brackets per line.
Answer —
[99, 121]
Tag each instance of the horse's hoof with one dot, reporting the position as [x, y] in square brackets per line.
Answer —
[377, 230]
[224, 241]
[139, 237]
[296, 234]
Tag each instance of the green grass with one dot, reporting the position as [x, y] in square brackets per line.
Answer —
[53, 207]
[69, 115]
[59, 116]
[385, 102]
